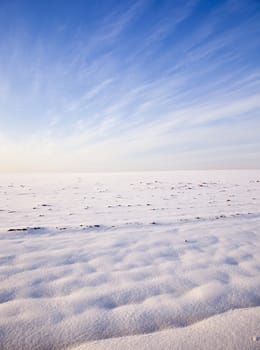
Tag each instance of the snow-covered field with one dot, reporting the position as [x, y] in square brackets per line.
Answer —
[130, 261]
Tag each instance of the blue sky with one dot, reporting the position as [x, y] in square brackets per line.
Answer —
[129, 85]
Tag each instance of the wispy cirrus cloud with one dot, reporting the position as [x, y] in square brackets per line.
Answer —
[137, 85]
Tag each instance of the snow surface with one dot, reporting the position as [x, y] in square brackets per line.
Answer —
[152, 260]
[232, 330]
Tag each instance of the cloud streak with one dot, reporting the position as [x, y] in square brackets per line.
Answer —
[140, 87]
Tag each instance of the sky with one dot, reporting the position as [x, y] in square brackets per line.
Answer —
[133, 85]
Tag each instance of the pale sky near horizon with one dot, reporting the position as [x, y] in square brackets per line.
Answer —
[129, 85]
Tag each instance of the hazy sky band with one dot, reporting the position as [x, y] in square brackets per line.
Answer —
[129, 85]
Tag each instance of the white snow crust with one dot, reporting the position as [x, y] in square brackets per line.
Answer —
[130, 261]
